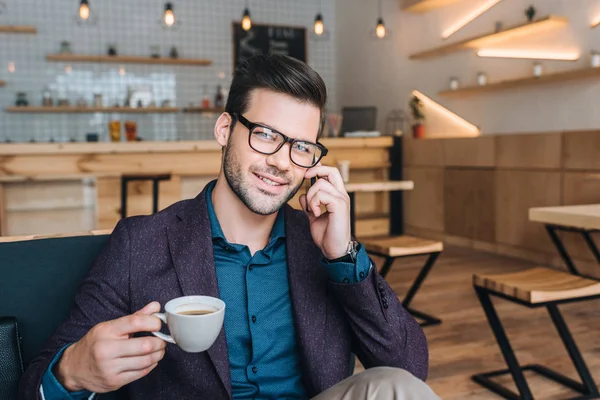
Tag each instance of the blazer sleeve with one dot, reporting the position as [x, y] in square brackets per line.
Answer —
[102, 296]
[385, 333]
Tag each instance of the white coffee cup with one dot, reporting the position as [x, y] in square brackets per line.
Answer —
[192, 333]
[344, 167]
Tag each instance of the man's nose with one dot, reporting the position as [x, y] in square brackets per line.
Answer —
[281, 159]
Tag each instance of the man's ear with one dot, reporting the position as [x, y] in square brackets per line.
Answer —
[223, 129]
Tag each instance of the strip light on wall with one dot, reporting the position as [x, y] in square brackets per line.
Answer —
[474, 130]
[468, 18]
[596, 22]
[530, 54]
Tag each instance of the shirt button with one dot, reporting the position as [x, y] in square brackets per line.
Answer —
[362, 274]
[346, 280]
[254, 369]
[254, 318]
[250, 268]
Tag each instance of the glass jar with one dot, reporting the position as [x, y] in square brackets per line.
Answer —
[130, 131]
[114, 131]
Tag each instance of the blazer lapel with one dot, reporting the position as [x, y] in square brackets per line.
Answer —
[190, 244]
[308, 292]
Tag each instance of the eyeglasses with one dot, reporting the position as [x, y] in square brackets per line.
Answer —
[268, 141]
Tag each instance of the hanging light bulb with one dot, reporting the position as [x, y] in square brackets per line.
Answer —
[246, 20]
[169, 17]
[84, 10]
[319, 27]
[380, 30]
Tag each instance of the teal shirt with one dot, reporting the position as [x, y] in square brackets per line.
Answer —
[259, 325]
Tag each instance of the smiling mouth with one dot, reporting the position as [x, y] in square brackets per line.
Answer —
[268, 181]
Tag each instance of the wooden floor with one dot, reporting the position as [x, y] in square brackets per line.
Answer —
[464, 345]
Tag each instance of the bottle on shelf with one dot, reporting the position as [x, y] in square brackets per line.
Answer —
[219, 99]
[205, 98]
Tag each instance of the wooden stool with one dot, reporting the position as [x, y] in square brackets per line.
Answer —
[156, 178]
[395, 247]
[537, 287]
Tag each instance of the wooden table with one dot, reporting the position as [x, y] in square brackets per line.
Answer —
[376, 186]
[583, 219]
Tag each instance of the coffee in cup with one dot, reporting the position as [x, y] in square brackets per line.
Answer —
[194, 322]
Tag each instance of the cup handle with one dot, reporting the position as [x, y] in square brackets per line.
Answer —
[160, 335]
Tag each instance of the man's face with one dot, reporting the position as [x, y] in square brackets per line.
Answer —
[246, 170]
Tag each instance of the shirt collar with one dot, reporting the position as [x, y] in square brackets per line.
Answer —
[277, 232]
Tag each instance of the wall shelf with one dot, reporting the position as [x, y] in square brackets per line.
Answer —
[547, 23]
[528, 81]
[202, 110]
[126, 59]
[17, 29]
[423, 6]
[91, 110]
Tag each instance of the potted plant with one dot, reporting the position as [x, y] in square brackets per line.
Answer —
[416, 106]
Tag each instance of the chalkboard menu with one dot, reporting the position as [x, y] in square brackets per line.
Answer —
[268, 39]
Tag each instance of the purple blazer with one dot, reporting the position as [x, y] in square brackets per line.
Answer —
[170, 254]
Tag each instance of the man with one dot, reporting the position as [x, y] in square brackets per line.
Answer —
[301, 296]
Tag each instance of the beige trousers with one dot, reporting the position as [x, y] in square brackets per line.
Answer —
[380, 383]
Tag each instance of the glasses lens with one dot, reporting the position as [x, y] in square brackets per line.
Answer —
[264, 140]
[267, 141]
[305, 154]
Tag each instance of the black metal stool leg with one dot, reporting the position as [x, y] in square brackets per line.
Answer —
[386, 266]
[123, 198]
[420, 278]
[155, 196]
[589, 386]
[507, 352]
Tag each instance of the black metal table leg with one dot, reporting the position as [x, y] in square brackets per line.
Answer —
[155, 196]
[124, 197]
[590, 242]
[352, 214]
[551, 229]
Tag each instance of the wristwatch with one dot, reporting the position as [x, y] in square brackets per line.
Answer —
[350, 256]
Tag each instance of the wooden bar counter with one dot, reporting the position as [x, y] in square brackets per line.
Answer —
[52, 188]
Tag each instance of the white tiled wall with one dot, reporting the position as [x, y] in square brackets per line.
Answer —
[204, 31]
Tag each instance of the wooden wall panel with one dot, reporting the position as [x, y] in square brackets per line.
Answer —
[582, 150]
[45, 222]
[470, 152]
[191, 186]
[469, 203]
[529, 151]
[422, 152]
[516, 192]
[26, 196]
[579, 189]
[424, 205]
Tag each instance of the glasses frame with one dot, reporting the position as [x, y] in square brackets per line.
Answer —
[286, 139]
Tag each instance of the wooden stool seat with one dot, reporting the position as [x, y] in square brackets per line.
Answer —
[395, 247]
[399, 246]
[539, 285]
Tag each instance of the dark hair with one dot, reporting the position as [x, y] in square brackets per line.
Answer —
[281, 74]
